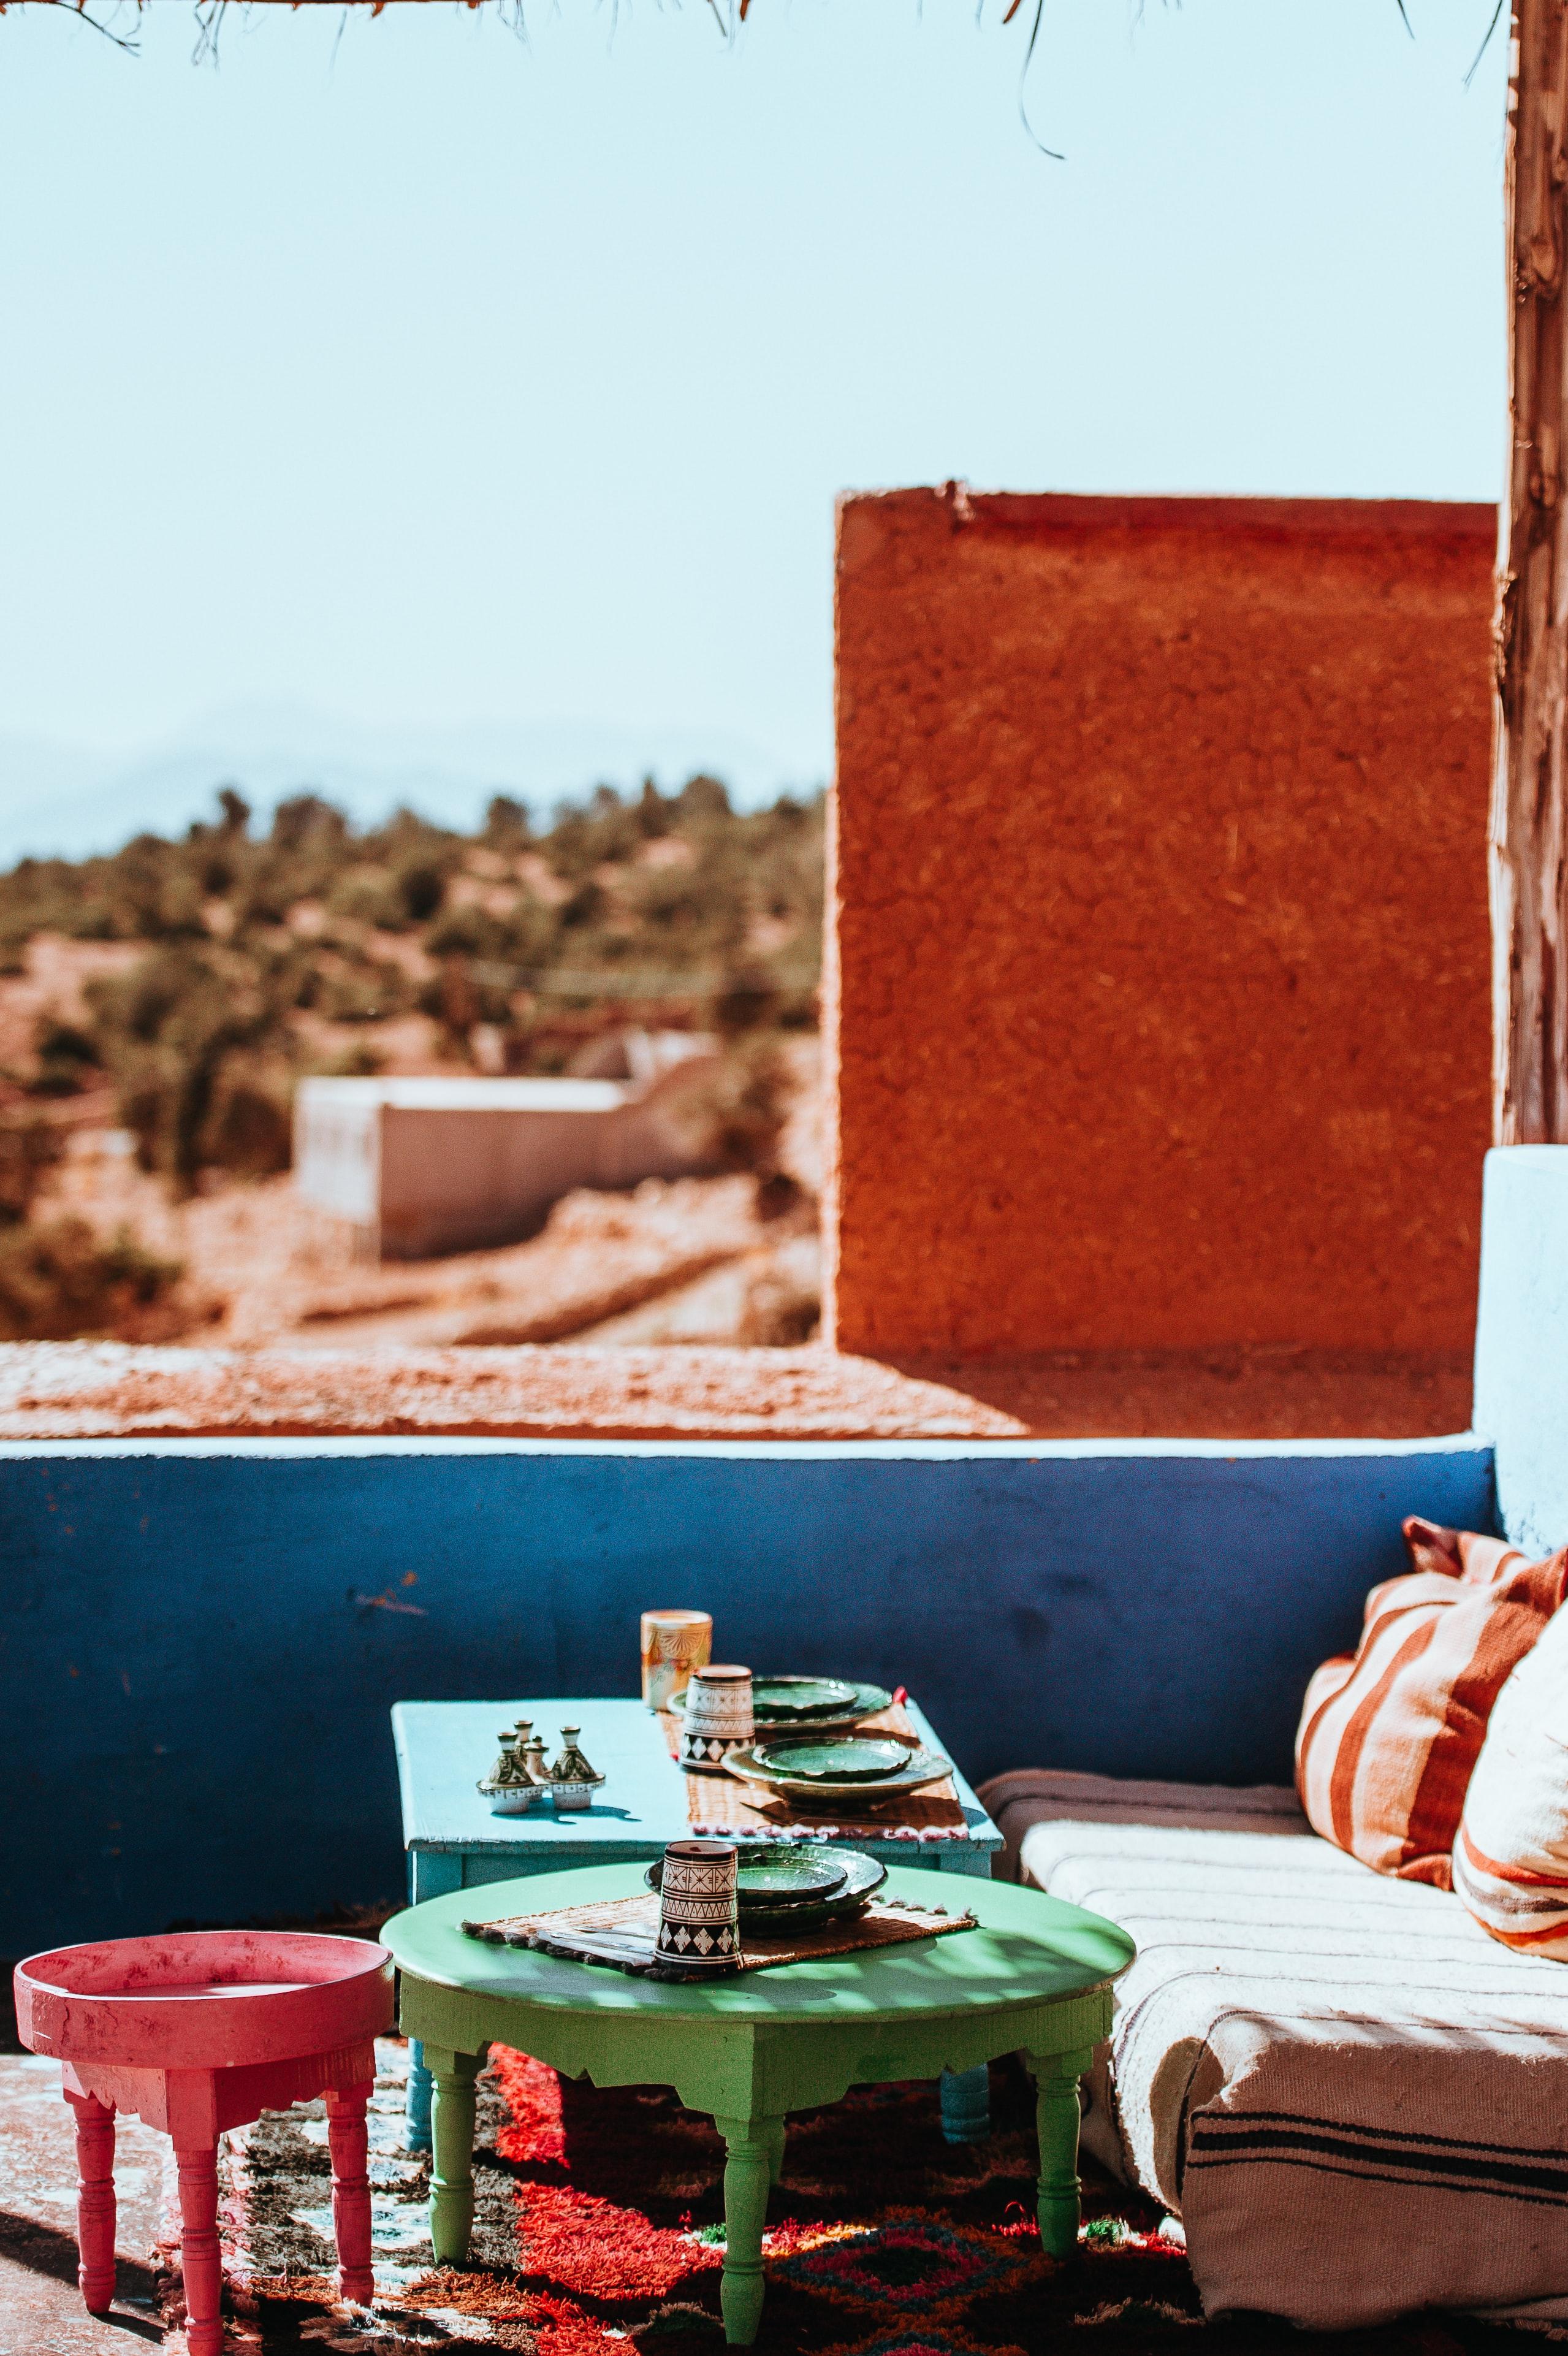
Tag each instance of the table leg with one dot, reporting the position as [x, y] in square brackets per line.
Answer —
[966, 2104]
[94, 2201]
[416, 2108]
[200, 2267]
[346, 2137]
[751, 2145]
[452, 2140]
[1056, 2077]
[775, 2150]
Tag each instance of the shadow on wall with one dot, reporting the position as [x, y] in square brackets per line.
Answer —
[1267, 1392]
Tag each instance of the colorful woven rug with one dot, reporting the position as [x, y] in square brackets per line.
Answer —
[598, 2233]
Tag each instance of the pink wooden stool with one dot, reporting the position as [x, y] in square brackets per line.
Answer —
[196, 2031]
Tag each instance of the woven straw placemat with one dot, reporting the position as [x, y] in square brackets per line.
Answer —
[723, 1808]
[620, 1931]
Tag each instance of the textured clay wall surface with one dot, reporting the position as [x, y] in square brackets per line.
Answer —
[1161, 992]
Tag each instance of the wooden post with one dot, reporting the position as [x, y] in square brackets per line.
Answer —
[1528, 839]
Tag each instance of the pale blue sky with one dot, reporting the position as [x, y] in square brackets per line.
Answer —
[413, 374]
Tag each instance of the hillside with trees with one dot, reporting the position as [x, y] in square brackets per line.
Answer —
[309, 947]
[177, 991]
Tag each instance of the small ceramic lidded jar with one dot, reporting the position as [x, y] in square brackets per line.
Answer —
[513, 1786]
[718, 1715]
[699, 1922]
[572, 1782]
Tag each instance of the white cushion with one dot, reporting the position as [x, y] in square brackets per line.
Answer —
[1511, 1859]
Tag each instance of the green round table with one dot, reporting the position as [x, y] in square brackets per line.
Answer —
[1034, 1979]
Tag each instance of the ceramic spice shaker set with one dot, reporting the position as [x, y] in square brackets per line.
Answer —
[718, 1719]
[520, 1780]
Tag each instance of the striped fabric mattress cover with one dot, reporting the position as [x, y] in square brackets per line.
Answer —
[1355, 2100]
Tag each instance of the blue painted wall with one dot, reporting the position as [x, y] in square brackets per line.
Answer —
[199, 1641]
[1521, 1339]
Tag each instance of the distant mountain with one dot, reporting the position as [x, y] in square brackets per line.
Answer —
[61, 799]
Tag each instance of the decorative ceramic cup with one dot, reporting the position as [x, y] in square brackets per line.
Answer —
[718, 1715]
[673, 1644]
[697, 1917]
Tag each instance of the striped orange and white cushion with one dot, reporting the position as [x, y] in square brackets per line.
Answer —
[1510, 1861]
[1390, 1736]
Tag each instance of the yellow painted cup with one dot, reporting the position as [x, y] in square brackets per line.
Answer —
[673, 1644]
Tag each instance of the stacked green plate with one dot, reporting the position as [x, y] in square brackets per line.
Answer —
[792, 1700]
[851, 1774]
[862, 1760]
[798, 1885]
[814, 1705]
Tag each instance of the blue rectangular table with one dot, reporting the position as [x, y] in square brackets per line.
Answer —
[453, 1841]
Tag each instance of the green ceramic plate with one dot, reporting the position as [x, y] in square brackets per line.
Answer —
[834, 1718]
[863, 1877]
[762, 1921]
[924, 1767]
[784, 1881]
[865, 1760]
[858, 1877]
[791, 1697]
[785, 1874]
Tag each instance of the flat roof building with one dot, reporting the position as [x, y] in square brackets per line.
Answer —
[416, 1167]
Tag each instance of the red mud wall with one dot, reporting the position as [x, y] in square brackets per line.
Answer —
[1161, 1008]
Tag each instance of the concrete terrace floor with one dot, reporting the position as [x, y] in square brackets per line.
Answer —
[41, 2313]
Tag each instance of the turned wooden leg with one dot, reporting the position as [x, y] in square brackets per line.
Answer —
[346, 2134]
[416, 2104]
[751, 2145]
[200, 2262]
[966, 2104]
[451, 2141]
[94, 2201]
[1056, 2077]
[775, 2150]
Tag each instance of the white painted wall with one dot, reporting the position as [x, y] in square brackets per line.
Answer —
[1521, 1339]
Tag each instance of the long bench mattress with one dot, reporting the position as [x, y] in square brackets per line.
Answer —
[1356, 2102]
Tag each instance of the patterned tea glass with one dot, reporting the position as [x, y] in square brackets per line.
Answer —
[718, 1715]
[698, 1925]
[673, 1644]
